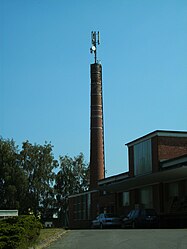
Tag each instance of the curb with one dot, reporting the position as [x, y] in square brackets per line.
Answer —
[48, 242]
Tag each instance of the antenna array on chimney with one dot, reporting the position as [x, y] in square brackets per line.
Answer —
[95, 36]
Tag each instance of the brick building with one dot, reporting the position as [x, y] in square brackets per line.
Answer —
[157, 178]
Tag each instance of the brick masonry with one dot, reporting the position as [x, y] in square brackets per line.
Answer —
[171, 147]
[97, 170]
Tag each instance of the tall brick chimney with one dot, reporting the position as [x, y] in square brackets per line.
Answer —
[97, 164]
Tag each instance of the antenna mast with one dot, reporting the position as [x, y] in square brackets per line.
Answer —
[95, 37]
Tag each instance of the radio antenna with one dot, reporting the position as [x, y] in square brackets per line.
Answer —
[95, 37]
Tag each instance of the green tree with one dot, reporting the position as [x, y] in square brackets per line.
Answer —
[38, 163]
[72, 178]
[13, 181]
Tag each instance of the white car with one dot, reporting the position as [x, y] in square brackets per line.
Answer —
[106, 220]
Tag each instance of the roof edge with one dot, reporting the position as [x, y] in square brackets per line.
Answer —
[114, 178]
[160, 133]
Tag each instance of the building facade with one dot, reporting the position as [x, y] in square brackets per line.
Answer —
[157, 178]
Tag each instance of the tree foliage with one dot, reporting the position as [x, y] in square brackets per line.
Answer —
[28, 180]
[72, 178]
[38, 164]
[26, 176]
[12, 178]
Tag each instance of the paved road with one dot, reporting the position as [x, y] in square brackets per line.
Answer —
[123, 239]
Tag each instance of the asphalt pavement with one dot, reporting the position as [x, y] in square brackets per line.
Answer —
[123, 239]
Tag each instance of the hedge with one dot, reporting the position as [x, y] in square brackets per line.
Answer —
[19, 232]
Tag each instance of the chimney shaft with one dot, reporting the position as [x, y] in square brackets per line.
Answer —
[97, 165]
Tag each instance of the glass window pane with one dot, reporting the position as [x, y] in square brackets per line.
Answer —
[143, 158]
[146, 197]
[126, 201]
[173, 189]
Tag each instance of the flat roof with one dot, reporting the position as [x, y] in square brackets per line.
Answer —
[115, 178]
[181, 160]
[82, 193]
[160, 133]
[169, 175]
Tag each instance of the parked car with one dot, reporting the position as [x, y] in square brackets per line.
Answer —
[141, 218]
[106, 220]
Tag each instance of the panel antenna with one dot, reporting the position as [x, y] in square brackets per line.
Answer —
[95, 37]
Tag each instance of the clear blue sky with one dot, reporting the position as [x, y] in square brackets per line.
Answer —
[45, 72]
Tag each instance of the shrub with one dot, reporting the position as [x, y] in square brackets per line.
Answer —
[19, 232]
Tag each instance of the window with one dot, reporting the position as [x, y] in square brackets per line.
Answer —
[131, 214]
[135, 214]
[126, 201]
[81, 207]
[143, 158]
[173, 189]
[146, 197]
[123, 199]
